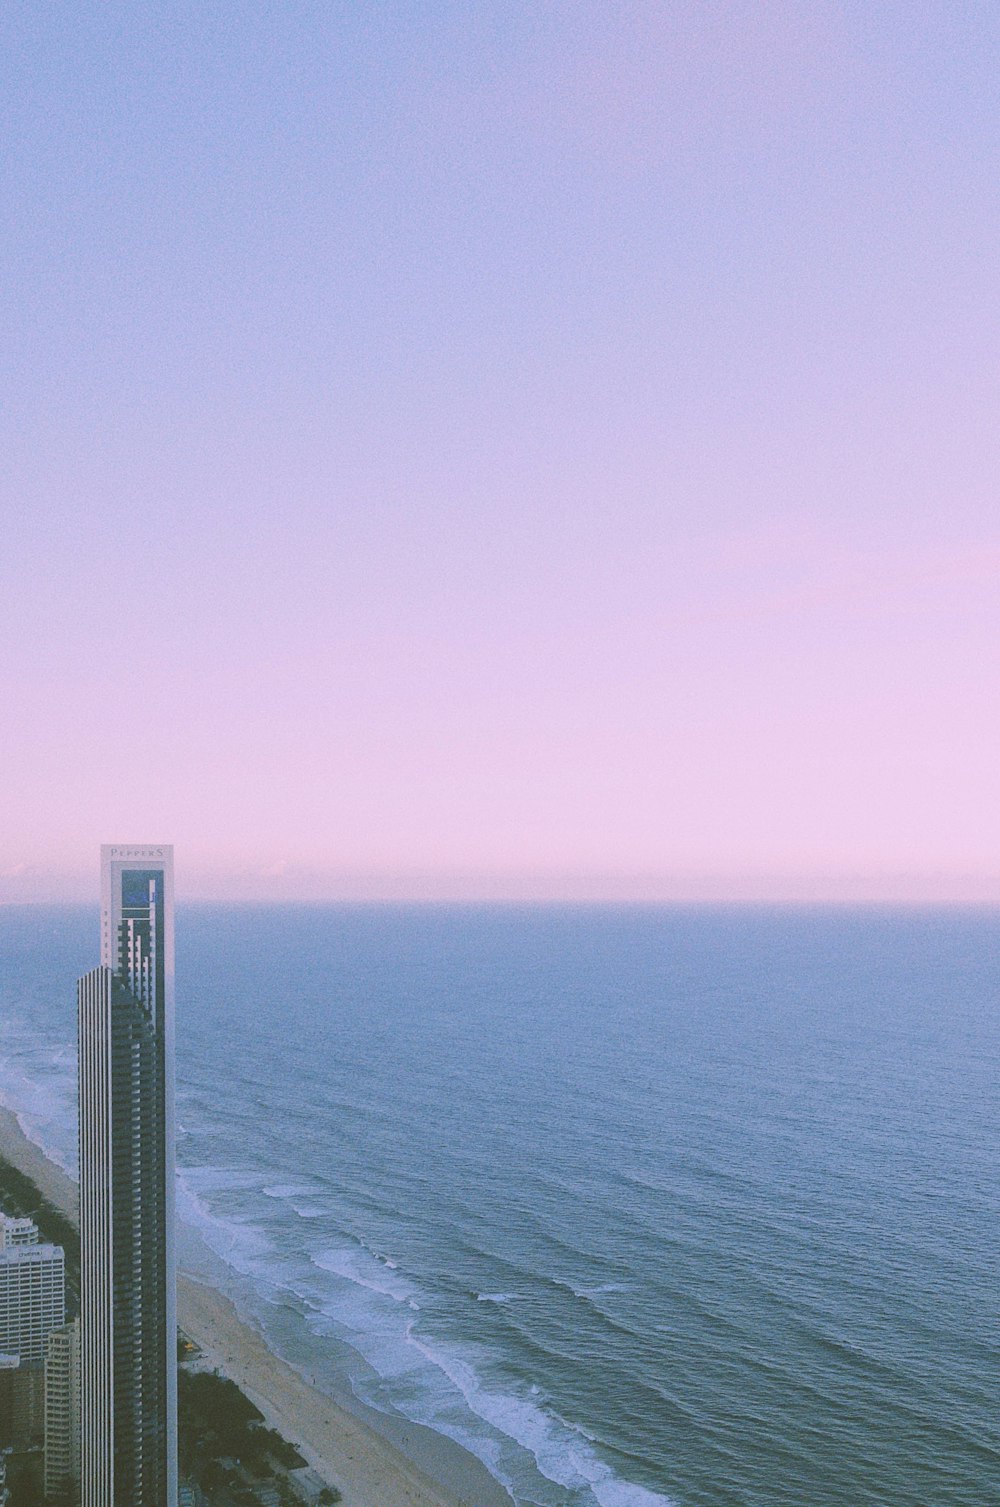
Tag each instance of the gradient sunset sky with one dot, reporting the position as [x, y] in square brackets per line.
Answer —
[502, 449]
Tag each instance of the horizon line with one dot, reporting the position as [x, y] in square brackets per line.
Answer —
[269, 881]
[782, 902]
[943, 897]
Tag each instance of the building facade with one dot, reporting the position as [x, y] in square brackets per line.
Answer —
[32, 1299]
[62, 1408]
[128, 1319]
[32, 1305]
[14, 1425]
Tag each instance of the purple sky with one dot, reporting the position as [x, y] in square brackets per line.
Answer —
[503, 449]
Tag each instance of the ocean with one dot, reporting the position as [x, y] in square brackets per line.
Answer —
[645, 1206]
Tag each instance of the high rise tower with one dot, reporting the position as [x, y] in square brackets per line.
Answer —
[128, 1323]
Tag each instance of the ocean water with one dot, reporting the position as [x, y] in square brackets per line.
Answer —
[645, 1206]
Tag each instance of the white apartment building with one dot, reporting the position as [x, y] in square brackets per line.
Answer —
[32, 1299]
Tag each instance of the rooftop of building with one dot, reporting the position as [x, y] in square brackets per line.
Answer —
[17, 1232]
[20, 1254]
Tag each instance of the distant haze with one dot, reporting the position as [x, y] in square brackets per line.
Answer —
[511, 451]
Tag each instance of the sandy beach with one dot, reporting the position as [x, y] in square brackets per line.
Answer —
[374, 1461]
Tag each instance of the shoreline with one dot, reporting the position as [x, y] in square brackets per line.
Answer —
[373, 1459]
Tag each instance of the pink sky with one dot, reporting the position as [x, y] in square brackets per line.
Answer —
[549, 453]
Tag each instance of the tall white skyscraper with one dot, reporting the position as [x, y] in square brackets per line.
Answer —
[128, 1320]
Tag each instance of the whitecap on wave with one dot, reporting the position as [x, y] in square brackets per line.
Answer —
[561, 1454]
[364, 1269]
[38, 1086]
[289, 1190]
[241, 1246]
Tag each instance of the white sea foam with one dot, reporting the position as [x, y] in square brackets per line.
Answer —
[591, 1289]
[288, 1190]
[559, 1453]
[300, 1196]
[382, 1259]
[613, 1492]
[241, 1246]
[364, 1269]
[597, 1289]
[439, 1385]
[38, 1086]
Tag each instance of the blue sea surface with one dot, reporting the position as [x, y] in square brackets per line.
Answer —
[644, 1205]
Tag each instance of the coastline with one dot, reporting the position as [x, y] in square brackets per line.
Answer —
[373, 1459]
